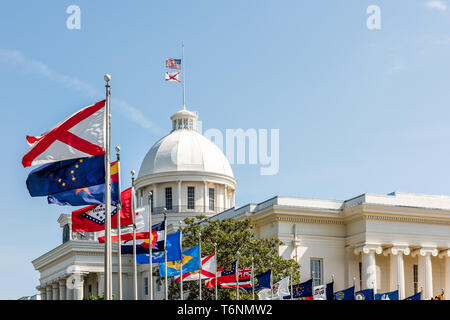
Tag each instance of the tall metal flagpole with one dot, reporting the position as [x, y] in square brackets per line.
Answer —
[215, 274]
[271, 282]
[108, 251]
[119, 233]
[181, 262]
[237, 276]
[201, 267]
[135, 295]
[182, 67]
[290, 280]
[150, 237]
[166, 287]
[253, 282]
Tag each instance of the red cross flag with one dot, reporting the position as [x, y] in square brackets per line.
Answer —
[173, 76]
[80, 135]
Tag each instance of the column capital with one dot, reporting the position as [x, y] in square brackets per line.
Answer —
[425, 251]
[444, 253]
[368, 248]
[396, 249]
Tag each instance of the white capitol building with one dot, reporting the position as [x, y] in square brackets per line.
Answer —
[388, 242]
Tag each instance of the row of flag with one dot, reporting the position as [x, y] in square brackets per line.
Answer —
[306, 291]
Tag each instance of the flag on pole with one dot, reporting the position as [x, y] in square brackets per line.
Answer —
[92, 218]
[173, 76]
[208, 269]
[320, 292]
[330, 292]
[173, 251]
[417, 296]
[226, 277]
[173, 63]
[143, 242]
[280, 289]
[393, 295]
[80, 135]
[191, 262]
[89, 194]
[438, 297]
[366, 294]
[66, 175]
[347, 294]
[301, 290]
[261, 281]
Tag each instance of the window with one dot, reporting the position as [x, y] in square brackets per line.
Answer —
[416, 278]
[169, 198]
[360, 276]
[151, 201]
[146, 286]
[191, 198]
[211, 199]
[316, 271]
[66, 233]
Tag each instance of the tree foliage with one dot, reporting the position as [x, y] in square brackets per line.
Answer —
[232, 236]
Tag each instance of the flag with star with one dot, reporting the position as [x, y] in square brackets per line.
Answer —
[85, 195]
[66, 175]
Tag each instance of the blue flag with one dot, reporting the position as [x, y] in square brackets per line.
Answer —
[66, 175]
[191, 263]
[261, 281]
[330, 292]
[393, 295]
[301, 290]
[347, 294]
[85, 196]
[417, 296]
[366, 294]
[173, 251]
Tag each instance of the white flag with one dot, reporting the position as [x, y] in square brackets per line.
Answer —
[173, 76]
[320, 292]
[280, 290]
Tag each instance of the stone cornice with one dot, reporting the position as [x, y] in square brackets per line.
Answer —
[70, 247]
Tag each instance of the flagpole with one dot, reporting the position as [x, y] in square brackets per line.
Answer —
[271, 282]
[119, 233]
[237, 276]
[201, 269]
[253, 282]
[135, 295]
[165, 255]
[108, 251]
[182, 67]
[181, 262]
[215, 274]
[150, 236]
[290, 280]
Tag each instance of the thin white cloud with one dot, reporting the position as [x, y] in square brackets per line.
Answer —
[17, 59]
[396, 67]
[437, 5]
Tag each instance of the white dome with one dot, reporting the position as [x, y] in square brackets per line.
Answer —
[185, 150]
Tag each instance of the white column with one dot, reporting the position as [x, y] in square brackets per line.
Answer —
[369, 268]
[155, 196]
[205, 188]
[78, 286]
[425, 270]
[233, 203]
[179, 195]
[446, 255]
[43, 292]
[62, 289]
[227, 203]
[48, 290]
[55, 291]
[69, 291]
[397, 269]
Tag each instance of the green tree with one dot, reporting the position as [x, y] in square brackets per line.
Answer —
[232, 236]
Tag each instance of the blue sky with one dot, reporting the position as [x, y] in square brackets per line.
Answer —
[359, 110]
